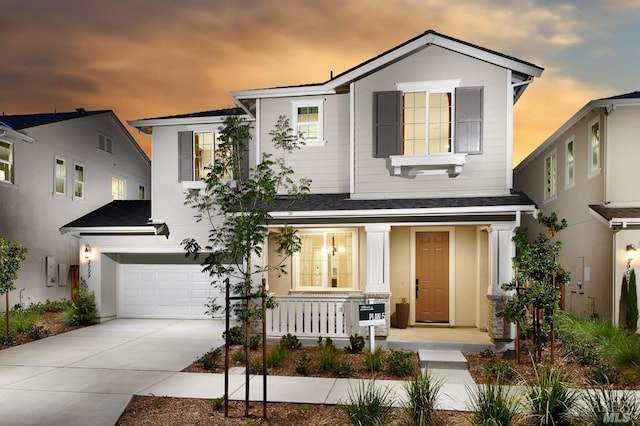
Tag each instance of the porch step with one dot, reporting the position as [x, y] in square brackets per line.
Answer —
[442, 359]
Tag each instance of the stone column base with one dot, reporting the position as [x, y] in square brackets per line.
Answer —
[499, 330]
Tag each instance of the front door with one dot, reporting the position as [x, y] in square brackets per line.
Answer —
[432, 276]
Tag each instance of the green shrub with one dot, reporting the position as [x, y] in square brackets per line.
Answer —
[290, 341]
[602, 405]
[369, 405]
[400, 363]
[83, 310]
[50, 306]
[22, 321]
[551, 397]
[236, 336]
[255, 341]
[239, 356]
[501, 371]
[373, 360]
[343, 368]
[422, 398]
[303, 364]
[217, 404]
[631, 317]
[209, 360]
[276, 356]
[356, 344]
[492, 405]
[328, 355]
[37, 332]
[255, 367]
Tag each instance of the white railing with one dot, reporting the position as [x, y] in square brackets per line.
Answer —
[314, 316]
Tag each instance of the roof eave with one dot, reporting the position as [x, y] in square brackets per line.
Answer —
[156, 229]
[15, 136]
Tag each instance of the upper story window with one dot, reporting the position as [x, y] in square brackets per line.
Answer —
[105, 143]
[60, 176]
[326, 259]
[550, 176]
[594, 147]
[78, 181]
[196, 153]
[308, 121]
[142, 192]
[570, 163]
[6, 161]
[117, 188]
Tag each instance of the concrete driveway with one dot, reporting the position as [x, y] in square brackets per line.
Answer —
[87, 376]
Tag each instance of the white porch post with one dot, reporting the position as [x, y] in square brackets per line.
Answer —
[378, 289]
[501, 252]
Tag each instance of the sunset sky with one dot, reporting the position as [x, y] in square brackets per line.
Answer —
[149, 58]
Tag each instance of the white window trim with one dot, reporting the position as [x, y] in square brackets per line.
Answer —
[553, 154]
[10, 163]
[310, 103]
[145, 191]
[124, 187]
[568, 181]
[295, 262]
[55, 175]
[591, 171]
[73, 195]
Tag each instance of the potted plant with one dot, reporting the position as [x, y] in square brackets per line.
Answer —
[402, 313]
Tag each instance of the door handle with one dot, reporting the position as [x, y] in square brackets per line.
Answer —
[416, 288]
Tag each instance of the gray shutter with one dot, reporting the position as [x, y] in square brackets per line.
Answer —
[185, 156]
[387, 127]
[468, 136]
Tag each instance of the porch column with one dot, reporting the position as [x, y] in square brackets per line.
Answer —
[501, 251]
[377, 288]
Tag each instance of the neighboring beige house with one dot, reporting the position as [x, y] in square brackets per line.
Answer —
[586, 172]
[55, 167]
[410, 158]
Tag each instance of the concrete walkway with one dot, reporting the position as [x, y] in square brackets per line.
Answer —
[88, 376]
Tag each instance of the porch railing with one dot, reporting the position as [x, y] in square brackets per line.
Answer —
[314, 316]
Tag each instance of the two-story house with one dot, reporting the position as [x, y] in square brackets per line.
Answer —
[586, 172]
[55, 167]
[410, 156]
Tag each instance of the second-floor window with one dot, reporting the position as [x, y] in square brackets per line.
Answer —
[594, 147]
[6, 162]
[117, 188]
[78, 181]
[197, 151]
[550, 176]
[60, 176]
[570, 163]
[308, 121]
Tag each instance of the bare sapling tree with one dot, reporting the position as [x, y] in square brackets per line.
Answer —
[12, 254]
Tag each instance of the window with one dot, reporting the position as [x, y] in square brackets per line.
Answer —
[105, 144]
[308, 120]
[570, 163]
[142, 192]
[594, 147]
[78, 181]
[6, 162]
[428, 118]
[60, 178]
[326, 260]
[197, 151]
[117, 188]
[550, 176]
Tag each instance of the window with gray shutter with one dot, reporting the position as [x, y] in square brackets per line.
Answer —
[185, 156]
[387, 119]
[468, 136]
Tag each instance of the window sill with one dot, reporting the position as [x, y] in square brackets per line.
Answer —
[413, 165]
[312, 143]
[193, 184]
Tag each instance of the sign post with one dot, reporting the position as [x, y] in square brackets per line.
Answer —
[371, 315]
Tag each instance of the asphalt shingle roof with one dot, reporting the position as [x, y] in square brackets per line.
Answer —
[23, 121]
[212, 113]
[616, 212]
[116, 213]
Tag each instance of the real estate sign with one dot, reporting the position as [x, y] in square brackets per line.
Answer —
[372, 314]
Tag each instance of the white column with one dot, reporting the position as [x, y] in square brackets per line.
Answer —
[377, 258]
[501, 251]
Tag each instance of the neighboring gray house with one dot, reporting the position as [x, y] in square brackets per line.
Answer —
[586, 172]
[55, 167]
[410, 156]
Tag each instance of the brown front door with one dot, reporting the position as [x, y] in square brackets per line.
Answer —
[432, 276]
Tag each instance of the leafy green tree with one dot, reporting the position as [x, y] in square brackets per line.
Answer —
[237, 202]
[12, 255]
[537, 281]
[631, 317]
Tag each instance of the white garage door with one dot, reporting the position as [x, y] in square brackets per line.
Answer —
[163, 291]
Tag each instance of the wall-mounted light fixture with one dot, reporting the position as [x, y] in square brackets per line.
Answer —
[86, 255]
[630, 254]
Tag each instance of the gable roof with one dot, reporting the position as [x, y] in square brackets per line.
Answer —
[130, 217]
[616, 216]
[24, 121]
[203, 117]
[626, 99]
[523, 71]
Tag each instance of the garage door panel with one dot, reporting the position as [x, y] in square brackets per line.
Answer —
[163, 291]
